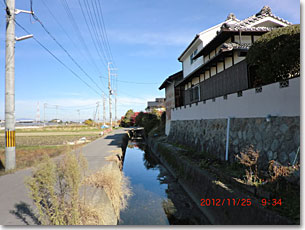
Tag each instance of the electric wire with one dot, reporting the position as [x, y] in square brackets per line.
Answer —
[105, 31]
[103, 61]
[133, 82]
[100, 30]
[84, 51]
[95, 31]
[56, 58]
[76, 29]
[68, 54]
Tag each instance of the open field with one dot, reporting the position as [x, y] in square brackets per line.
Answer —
[56, 129]
[32, 144]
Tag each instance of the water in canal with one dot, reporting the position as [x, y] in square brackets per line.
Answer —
[157, 198]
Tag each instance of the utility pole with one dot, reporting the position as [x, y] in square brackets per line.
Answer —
[104, 109]
[115, 98]
[10, 147]
[115, 107]
[38, 113]
[44, 114]
[56, 112]
[110, 93]
[78, 115]
[98, 112]
[10, 141]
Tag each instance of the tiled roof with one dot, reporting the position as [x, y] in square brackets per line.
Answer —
[246, 23]
[261, 28]
[233, 45]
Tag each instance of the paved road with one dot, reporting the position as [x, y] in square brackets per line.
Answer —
[16, 208]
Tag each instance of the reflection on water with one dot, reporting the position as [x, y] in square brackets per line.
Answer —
[158, 199]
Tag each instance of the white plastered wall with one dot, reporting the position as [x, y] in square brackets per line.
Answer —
[273, 100]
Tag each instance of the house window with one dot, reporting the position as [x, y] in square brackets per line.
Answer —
[192, 60]
[194, 93]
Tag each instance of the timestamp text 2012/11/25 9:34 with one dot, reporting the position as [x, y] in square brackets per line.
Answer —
[238, 202]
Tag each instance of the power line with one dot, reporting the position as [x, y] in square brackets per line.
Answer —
[93, 32]
[70, 107]
[133, 82]
[101, 30]
[69, 55]
[54, 56]
[91, 35]
[122, 92]
[70, 39]
[64, 109]
[77, 30]
[105, 31]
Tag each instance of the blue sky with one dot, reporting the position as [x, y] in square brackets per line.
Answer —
[146, 37]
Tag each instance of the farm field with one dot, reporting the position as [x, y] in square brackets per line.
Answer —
[33, 144]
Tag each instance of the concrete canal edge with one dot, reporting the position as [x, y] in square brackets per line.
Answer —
[200, 184]
[114, 160]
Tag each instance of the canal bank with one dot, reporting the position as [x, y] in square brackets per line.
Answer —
[106, 153]
[158, 199]
[237, 205]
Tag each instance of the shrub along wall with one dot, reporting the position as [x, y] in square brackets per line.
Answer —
[278, 139]
[275, 56]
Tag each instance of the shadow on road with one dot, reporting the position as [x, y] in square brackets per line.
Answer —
[116, 139]
[24, 212]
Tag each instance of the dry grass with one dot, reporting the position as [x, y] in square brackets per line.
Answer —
[115, 184]
[26, 141]
[60, 129]
[277, 170]
[55, 189]
[27, 157]
[31, 149]
[249, 159]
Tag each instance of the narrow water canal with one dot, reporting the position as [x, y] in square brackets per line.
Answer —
[157, 198]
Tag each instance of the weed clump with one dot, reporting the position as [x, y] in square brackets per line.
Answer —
[115, 185]
[249, 159]
[59, 192]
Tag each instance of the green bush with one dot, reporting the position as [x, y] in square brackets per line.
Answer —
[150, 121]
[139, 119]
[88, 122]
[275, 56]
[126, 122]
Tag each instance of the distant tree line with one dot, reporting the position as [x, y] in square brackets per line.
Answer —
[150, 121]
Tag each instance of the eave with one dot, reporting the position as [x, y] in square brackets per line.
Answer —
[224, 34]
[170, 79]
[212, 63]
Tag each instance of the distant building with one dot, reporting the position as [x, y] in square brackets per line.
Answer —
[214, 63]
[158, 104]
[25, 121]
[173, 98]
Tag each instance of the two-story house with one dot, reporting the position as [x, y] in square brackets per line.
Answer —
[214, 63]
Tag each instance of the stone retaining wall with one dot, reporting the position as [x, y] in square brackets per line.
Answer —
[278, 139]
[201, 184]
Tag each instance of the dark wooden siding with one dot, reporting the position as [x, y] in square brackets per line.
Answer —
[179, 96]
[187, 97]
[229, 81]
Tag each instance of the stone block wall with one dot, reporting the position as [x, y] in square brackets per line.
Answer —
[278, 139]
